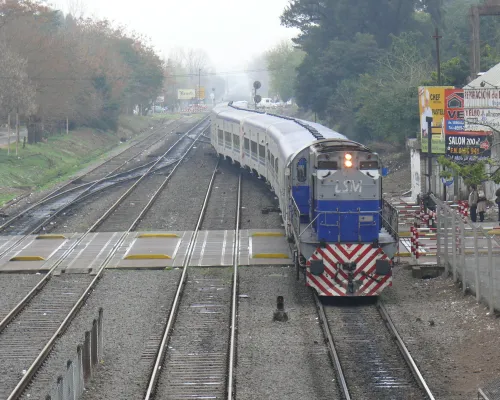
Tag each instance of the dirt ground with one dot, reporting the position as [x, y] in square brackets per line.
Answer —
[453, 339]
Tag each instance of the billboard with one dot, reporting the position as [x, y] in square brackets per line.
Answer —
[463, 146]
[482, 109]
[186, 94]
[200, 93]
[431, 104]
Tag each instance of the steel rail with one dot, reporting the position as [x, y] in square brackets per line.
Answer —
[59, 192]
[155, 374]
[79, 198]
[39, 286]
[234, 299]
[404, 351]
[331, 348]
[40, 359]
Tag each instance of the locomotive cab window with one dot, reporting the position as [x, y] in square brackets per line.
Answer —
[276, 165]
[246, 144]
[220, 135]
[368, 165]
[327, 165]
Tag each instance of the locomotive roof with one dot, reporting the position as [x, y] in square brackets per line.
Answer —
[291, 135]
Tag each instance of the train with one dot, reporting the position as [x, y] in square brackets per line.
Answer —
[342, 233]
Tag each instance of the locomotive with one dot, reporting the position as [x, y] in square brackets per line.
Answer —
[342, 232]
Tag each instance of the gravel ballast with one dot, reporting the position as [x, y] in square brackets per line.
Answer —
[136, 305]
[257, 196]
[452, 338]
[178, 205]
[13, 288]
[280, 360]
[221, 207]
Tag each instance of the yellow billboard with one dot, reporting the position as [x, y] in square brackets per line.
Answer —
[431, 104]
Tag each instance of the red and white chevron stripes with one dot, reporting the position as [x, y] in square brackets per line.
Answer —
[334, 280]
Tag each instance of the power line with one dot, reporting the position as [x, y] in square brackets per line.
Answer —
[187, 75]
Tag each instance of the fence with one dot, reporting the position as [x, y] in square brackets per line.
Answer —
[71, 384]
[469, 253]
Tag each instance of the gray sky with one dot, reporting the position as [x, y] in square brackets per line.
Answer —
[230, 31]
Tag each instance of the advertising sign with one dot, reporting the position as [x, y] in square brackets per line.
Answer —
[160, 99]
[432, 104]
[186, 94]
[454, 111]
[468, 147]
[482, 109]
[463, 146]
[200, 93]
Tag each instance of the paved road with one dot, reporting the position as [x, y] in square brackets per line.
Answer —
[4, 138]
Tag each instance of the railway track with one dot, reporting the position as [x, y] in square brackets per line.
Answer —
[36, 218]
[104, 170]
[193, 359]
[29, 331]
[370, 358]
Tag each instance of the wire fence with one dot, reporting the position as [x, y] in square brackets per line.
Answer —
[469, 253]
[71, 384]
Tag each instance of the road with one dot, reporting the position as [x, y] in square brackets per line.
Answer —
[4, 137]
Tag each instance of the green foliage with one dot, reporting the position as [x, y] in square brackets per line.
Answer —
[362, 67]
[472, 173]
[282, 62]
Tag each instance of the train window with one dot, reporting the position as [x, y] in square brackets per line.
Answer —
[268, 155]
[262, 151]
[227, 136]
[327, 165]
[253, 147]
[221, 136]
[246, 144]
[276, 165]
[272, 160]
[368, 165]
[302, 170]
[236, 141]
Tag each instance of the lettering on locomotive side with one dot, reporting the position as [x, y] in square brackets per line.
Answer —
[349, 187]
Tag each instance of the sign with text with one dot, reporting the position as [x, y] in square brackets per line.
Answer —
[468, 147]
[186, 94]
[200, 93]
[432, 104]
[482, 109]
[454, 111]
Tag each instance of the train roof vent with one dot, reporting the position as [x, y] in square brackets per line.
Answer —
[313, 131]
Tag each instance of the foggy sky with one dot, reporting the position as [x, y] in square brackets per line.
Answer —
[230, 31]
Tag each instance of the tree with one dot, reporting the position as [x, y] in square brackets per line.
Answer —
[475, 173]
[282, 62]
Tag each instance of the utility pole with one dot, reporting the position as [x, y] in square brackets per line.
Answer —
[429, 152]
[438, 60]
[437, 37]
[8, 132]
[199, 86]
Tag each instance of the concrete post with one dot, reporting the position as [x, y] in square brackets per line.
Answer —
[94, 343]
[87, 359]
[439, 231]
[491, 275]
[80, 386]
[446, 241]
[100, 334]
[454, 246]
[462, 252]
[68, 382]
[476, 272]
[60, 388]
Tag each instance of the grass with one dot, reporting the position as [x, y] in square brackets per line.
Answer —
[164, 116]
[40, 166]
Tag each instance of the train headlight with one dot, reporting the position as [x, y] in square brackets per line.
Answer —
[348, 160]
